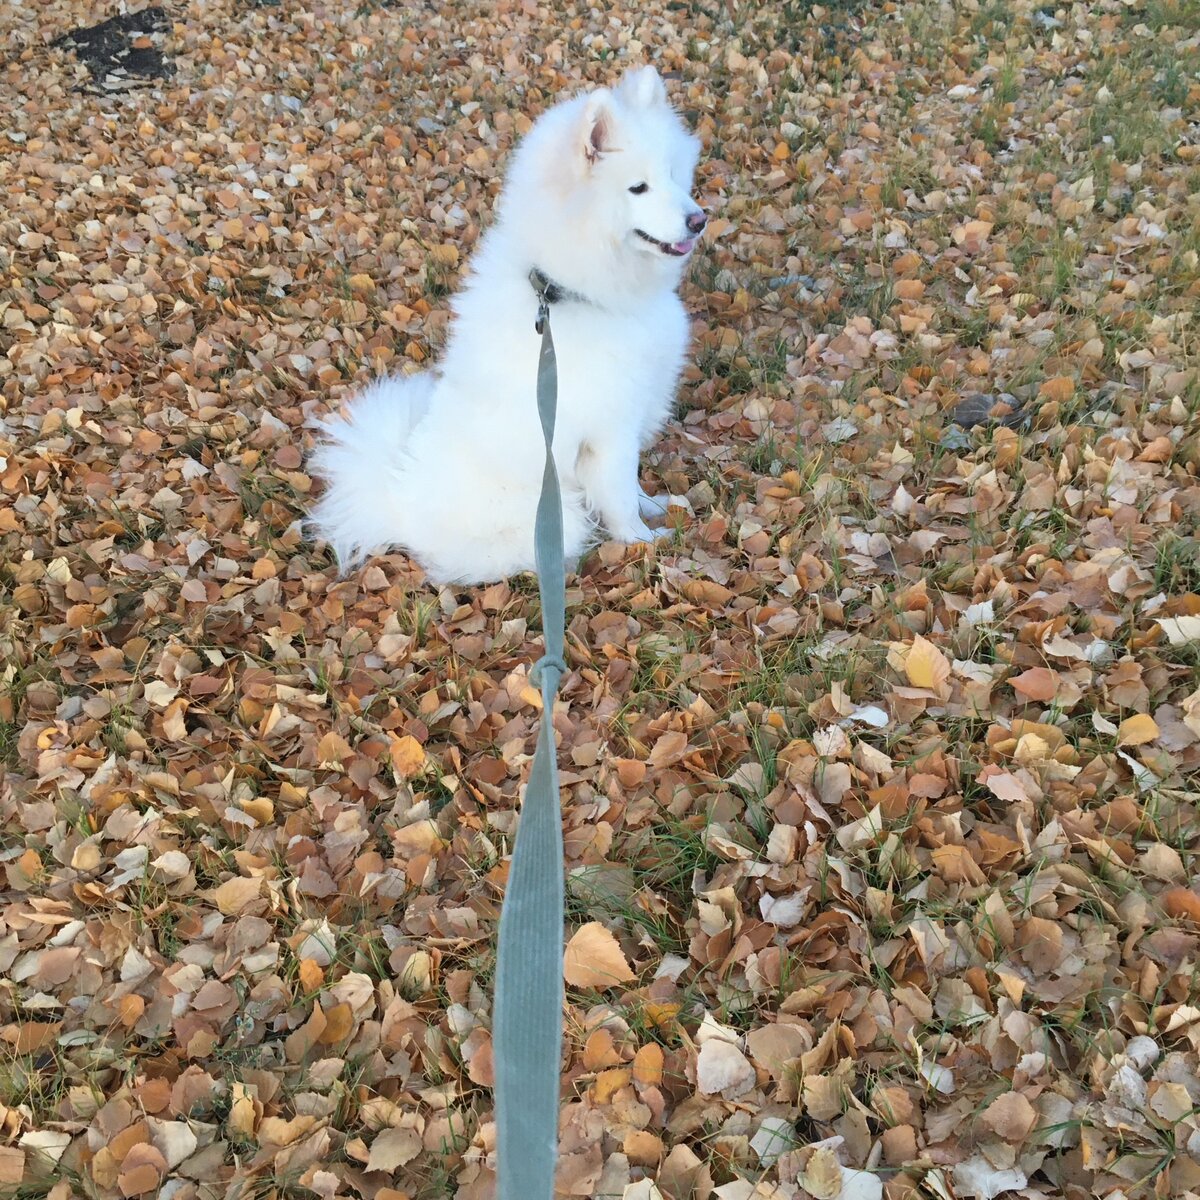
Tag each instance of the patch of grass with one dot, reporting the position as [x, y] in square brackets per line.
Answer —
[868, 288]
[746, 368]
[9, 735]
[1177, 564]
[36, 1082]
[763, 457]
[1138, 69]
[438, 281]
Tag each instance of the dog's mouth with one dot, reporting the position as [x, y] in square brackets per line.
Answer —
[674, 249]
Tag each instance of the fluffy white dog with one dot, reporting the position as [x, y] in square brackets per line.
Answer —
[447, 464]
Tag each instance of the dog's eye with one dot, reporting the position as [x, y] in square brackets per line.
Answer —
[639, 188]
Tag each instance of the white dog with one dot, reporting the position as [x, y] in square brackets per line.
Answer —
[447, 464]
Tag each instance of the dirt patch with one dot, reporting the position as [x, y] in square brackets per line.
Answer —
[122, 49]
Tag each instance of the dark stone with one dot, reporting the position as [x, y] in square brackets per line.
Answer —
[976, 408]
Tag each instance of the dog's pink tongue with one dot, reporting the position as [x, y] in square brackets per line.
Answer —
[684, 246]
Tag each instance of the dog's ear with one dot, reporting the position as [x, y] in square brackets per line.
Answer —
[597, 125]
[642, 87]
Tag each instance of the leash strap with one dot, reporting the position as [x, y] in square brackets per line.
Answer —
[528, 1010]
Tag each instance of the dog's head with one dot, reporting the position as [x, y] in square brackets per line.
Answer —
[638, 160]
[598, 195]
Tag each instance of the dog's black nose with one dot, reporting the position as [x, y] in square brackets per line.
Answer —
[696, 222]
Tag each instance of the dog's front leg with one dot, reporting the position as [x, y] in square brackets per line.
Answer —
[608, 473]
[652, 508]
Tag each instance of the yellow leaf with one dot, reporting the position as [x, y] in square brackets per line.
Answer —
[408, 756]
[340, 1025]
[311, 975]
[333, 750]
[593, 959]
[244, 1113]
[260, 808]
[131, 1007]
[1061, 388]
[276, 1131]
[662, 1016]
[648, 1064]
[234, 894]
[1136, 730]
[608, 1083]
[925, 665]
[822, 1176]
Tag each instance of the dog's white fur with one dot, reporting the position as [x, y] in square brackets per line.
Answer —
[448, 463]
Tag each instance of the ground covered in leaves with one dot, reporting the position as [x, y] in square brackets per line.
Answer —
[880, 774]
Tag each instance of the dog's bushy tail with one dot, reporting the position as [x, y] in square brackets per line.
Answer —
[360, 460]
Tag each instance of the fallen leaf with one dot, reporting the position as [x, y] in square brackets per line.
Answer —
[1134, 731]
[822, 1175]
[1181, 902]
[975, 1177]
[1037, 684]
[1181, 631]
[12, 1165]
[723, 1069]
[594, 959]
[237, 894]
[1010, 1116]
[392, 1148]
[407, 755]
[1060, 389]
[925, 665]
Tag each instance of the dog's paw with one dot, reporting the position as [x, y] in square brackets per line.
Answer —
[651, 508]
[634, 533]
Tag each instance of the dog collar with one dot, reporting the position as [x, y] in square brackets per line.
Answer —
[548, 292]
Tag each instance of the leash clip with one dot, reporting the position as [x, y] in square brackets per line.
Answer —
[541, 286]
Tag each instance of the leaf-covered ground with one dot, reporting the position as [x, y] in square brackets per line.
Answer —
[880, 774]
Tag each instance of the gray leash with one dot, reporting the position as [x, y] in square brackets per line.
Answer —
[527, 1017]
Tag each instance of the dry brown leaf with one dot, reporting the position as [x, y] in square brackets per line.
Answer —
[311, 975]
[12, 1165]
[822, 1175]
[670, 748]
[1010, 1116]
[1041, 943]
[648, 1064]
[1137, 730]
[594, 959]
[925, 665]
[237, 894]
[392, 1148]
[142, 1170]
[1038, 684]
[407, 755]
[722, 1069]
[339, 1024]
[1059, 390]
[1182, 902]
[244, 1113]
